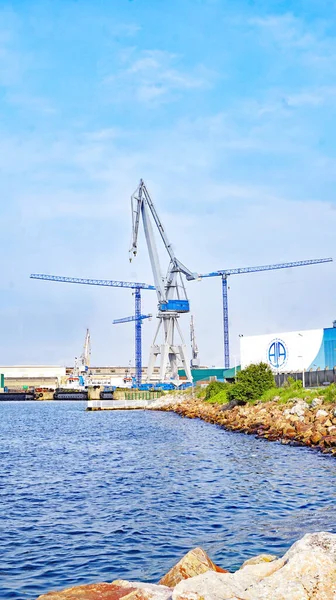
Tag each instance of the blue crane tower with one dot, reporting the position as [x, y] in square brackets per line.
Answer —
[224, 274]
[138, 317]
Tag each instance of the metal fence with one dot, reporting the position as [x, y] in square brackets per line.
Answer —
[311, 378]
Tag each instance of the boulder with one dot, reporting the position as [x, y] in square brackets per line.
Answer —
[224, 586]
[306, 572]
[261, 558]
[232, 404]
[298, 409]
[309, 572]
[321, 413]
[117, 590]
[193, 563]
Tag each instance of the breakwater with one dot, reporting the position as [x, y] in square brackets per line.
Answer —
[296, 422]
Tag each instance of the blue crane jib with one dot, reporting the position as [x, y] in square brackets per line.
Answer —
[225, 273]
[103, 282]
[180, 306]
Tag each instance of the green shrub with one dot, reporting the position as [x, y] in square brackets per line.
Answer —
[251, 383]
[220, 398]
[214, 388]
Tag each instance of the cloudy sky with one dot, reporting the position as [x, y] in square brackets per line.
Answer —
[226, 109]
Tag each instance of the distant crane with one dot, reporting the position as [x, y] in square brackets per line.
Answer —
[226, 272]
[111, 283]
[83, 362]
[195, 361]
[85, 359]
[171, 292]
[138, 318]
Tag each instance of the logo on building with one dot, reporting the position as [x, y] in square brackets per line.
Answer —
[277, 354]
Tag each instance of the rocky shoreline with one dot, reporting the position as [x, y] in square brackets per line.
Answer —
[306, 572]
[295, 422]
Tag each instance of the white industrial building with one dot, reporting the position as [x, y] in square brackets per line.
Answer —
[292, 350]
[33, 376]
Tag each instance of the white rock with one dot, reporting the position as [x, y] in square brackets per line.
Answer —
[261, 558]
[316, 402]
[298, 409]
[152, 591]
[209, 586]
[321, 413]
[322, 540]
[224, 586]
[309, 572]
[306, 572]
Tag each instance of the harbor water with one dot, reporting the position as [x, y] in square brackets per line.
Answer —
[94, 496]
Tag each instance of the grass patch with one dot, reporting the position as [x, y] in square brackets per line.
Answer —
[295, 390]
[220, 398]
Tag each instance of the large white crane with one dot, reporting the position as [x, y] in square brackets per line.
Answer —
[171, 292]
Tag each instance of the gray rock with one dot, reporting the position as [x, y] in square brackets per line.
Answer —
[232, 404]
[316, 402]
[298, 409]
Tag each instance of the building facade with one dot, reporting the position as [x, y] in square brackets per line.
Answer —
[291, 351]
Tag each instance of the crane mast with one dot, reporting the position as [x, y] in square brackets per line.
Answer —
[86, 355]
[171, 292]
[195, 362]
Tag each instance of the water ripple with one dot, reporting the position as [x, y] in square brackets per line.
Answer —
[94, 496]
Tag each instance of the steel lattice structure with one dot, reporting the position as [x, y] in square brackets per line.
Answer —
[137, 287]
[225, 273]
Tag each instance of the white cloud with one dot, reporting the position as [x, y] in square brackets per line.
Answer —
[152, 75]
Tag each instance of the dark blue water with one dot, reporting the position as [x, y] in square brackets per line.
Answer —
[90, 497]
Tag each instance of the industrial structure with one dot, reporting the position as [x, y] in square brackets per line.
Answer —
[137, 287]
[195, 361]
[291, 351]
[224, 274]
[138, 318]
[32, 376]
[171, 292]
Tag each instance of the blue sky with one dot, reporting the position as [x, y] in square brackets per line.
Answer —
[227, 110]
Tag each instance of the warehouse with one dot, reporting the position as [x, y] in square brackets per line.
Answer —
[291, 351]
[18, 377]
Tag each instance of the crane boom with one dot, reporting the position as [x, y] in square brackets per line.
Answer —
[143, 199]
[241, 270]
[86, 354]
[130, 319]
[225, 273]
[103, 282]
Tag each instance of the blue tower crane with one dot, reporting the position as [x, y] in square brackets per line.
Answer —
[111, 283]
[138, 318]
[224, 274]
